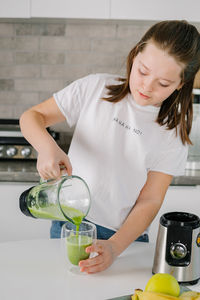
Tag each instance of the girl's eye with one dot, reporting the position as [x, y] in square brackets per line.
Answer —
[163, 85]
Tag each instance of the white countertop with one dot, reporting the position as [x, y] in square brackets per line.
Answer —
[35, 270]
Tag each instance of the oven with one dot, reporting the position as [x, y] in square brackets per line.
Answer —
[13, 145]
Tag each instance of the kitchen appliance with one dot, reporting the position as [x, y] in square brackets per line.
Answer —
[178, 247]
[12, 143]
[67, 198]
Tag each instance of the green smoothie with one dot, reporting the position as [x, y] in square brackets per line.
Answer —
[47, 213]
[76, 245]
[53, 213]
[74, 214]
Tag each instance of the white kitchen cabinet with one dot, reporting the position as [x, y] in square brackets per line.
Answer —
[178, 198]
[102, 9]
[14, 225]
[15, 8]
[155, 10]
[95, 9]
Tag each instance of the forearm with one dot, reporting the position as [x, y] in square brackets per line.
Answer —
[146, 208]
[33, 128]
[138, 220]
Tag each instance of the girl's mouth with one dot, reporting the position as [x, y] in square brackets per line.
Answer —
[144, 96]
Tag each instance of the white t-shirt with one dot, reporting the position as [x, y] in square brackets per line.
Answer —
[114, 145]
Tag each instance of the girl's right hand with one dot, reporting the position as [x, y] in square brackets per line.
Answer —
[50, 160]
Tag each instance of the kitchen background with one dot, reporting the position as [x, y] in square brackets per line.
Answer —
[40, 57]
[44, 47]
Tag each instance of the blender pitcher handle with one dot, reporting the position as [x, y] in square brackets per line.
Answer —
[63, 172]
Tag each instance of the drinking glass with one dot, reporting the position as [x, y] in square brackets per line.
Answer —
[75, 240]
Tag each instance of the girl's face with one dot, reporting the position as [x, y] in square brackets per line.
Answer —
[155, 75]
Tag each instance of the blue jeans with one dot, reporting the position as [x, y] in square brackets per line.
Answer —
[103, 233]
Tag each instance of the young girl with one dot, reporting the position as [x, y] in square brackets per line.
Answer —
[131, 136]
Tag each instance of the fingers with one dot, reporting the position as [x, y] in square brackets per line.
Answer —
[100, 262]
[67, 165]
[51, 166]
[91, 261]
[95, 248]
[93, 269]
[48, 171]
[69, 170]
[93, 265]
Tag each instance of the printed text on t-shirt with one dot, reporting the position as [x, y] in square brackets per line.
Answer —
[126, 126]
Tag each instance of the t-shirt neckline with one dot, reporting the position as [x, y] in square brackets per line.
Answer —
[149, 108]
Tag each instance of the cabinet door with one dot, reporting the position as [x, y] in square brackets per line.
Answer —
[95, 9]
[14, 8]
[14, 225]
[155, 10]
[178, 198]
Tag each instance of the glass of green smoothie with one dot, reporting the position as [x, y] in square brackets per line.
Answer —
[75, 240]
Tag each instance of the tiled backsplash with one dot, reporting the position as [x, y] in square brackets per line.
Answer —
[39, 57]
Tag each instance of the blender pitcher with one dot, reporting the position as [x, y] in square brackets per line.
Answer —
[67, 198]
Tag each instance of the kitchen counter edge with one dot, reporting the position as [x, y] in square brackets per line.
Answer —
[23, 171]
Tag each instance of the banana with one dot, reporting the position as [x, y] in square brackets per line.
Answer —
[190, 295]
[140, 295]
[143, 295]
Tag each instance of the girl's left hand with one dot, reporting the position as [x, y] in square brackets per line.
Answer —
[102, 261]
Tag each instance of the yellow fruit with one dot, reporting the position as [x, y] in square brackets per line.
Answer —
[190, 295]
[163, 283]
[140, 295]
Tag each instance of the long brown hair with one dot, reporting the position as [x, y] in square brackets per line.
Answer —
[182, 41]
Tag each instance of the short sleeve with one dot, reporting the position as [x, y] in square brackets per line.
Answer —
[77, 96]
[171, 161]
[68, 102]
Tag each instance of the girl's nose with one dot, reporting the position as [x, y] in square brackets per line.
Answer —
[148, 85]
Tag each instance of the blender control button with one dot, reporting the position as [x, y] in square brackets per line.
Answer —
[25, 151]
[198, 240]
[11, 151]
[178, 250]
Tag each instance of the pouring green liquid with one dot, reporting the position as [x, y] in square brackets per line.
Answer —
[53, 213]
[75, 243]
[41, 208]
